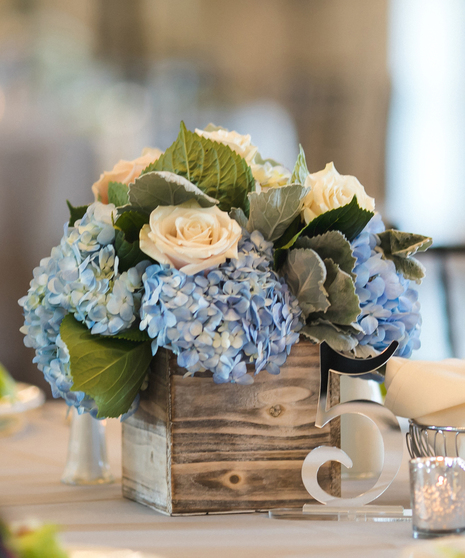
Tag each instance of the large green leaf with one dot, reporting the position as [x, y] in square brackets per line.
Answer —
[133, 334]
[111, 371]
[131, 222]
[129, 253]
[215, 168]
[344, 305]
[349, 219]
[305, 273]
[300, 172]
[165, 188]
[337, 338]
[75, 213]
[117, 193]
[334, 245]
[272, 212]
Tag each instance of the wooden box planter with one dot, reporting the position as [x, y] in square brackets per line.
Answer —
[197, 447]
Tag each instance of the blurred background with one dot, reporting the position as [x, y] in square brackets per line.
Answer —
[377, 86]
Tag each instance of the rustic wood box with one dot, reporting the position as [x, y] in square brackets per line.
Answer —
[197, 447]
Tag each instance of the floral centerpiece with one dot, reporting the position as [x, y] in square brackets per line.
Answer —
[225, 259]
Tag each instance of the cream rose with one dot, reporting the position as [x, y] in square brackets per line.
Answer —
[125, 172]
[330, 190]
[189, 237]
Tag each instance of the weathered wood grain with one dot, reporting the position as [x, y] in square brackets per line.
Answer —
[197, 447]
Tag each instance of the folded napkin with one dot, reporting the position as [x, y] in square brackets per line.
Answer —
[431, 393]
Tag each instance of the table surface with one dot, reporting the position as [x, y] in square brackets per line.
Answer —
[33, 459]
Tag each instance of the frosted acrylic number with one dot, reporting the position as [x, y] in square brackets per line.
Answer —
[331, 361]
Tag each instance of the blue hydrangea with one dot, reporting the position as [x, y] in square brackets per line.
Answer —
[389, 302]
[239, 313]
[80, 276]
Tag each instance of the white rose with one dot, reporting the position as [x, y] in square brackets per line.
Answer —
[189, 237]
[330, 190]
[125, 172]
[270, 176]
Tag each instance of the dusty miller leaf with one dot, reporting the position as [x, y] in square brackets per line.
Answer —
[239, 216]
[164, 188]
[336, 338]
[397, 243]
[305, 273]
[331, 244]
[300, 171]
[272, 212]
[344, 305]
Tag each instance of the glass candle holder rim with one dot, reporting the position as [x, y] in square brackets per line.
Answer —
[437, 460]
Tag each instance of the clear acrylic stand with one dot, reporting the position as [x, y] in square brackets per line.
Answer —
[350, 509]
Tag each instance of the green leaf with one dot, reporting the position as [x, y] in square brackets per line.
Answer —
[259, 160]
[337, 338]
[239, 216]
[133, 334]
[164, 188]
[349, 219]
[300, 172]
[402, 244]
[117, 193]
[76, 213]
[215, 168]
[344, 305]
[214, 128]
[334, 245]
[131, 222]
[109, 370]
[129, 253]
[305, 273]
[272, 212]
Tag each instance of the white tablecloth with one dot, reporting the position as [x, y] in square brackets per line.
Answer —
[31, 463]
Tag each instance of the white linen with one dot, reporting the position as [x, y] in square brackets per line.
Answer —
[431, 393]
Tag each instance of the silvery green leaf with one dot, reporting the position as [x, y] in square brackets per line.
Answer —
[344, 303]
[259, 160]
[164, 188]
[402, 244]
[336, 338]
[272, 212]
[213, 128]
[365, 351]
[305, 273]
[239, 216]
[334, 245]
[300, 171]
[410, 268]
[213, 167]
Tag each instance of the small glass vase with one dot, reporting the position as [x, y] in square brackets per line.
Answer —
[87, 461]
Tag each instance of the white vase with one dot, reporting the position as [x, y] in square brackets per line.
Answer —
[360, 438]
[87, 461]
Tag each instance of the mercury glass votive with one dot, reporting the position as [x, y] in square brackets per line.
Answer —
[437, 492]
